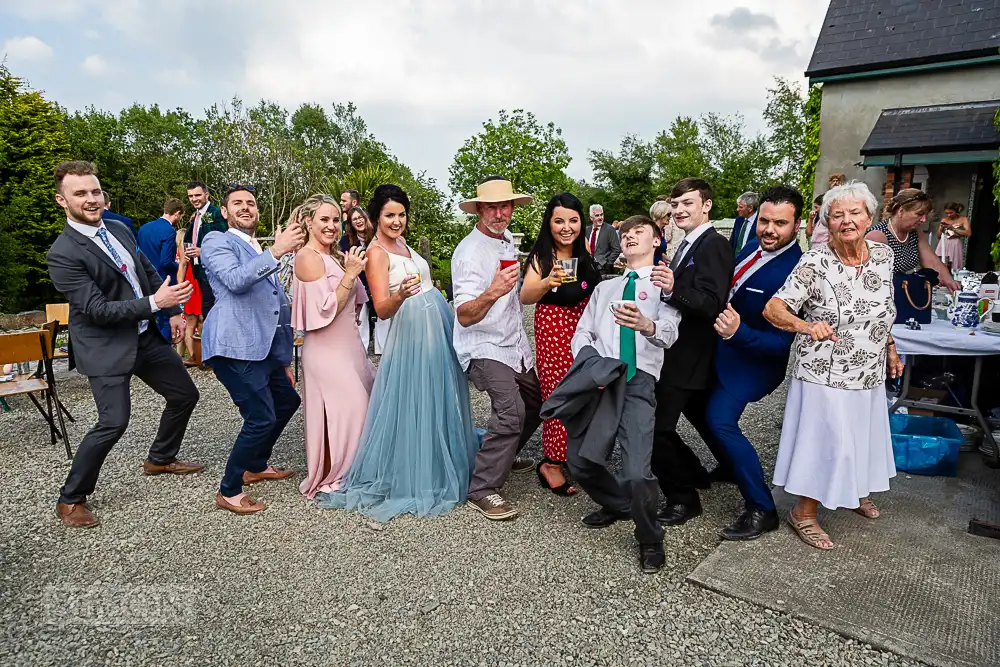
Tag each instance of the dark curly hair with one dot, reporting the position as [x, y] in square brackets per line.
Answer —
[384, 194]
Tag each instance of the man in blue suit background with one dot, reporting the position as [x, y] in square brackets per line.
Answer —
[745, 227]
[247, 340]
[158, 242]
[108, 214]
[752, 355]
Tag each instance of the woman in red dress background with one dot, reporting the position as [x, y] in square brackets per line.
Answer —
[192, 308]
[558, 310]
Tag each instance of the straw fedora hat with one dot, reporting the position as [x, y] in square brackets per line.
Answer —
[491, 191]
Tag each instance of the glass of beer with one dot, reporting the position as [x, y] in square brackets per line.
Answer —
[569, 266]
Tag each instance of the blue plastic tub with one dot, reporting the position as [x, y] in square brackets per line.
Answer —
[925, 445]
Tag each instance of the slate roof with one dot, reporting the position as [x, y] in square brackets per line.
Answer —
[935, 129]
[864, 35]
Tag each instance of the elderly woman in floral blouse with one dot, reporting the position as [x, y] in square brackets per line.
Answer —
[835, 445]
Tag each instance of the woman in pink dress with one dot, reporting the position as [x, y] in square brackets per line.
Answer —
[336, 374]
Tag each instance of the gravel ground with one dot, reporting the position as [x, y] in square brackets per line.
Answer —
[168, 580]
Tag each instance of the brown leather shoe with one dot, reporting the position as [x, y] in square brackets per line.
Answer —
[172, 468]
[76, 515]
[254, 477]
[247, 505]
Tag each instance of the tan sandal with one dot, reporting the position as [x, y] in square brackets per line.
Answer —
[810, 532]
[867, 509]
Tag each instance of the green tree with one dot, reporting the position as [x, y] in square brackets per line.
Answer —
[810, 141]
[736, 162]
[786, 122]
[626, 177]
[32, 142]
[677, 154]
[532, 155]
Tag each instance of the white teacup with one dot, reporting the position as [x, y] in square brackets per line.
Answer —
[617, 304]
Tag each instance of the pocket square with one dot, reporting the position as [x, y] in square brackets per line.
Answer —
[752, 289]
[690, 262]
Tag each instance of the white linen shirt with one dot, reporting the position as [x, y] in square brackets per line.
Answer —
[500, 335]
[91, 232]
[597, 327]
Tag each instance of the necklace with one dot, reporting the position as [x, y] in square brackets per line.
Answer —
[861, 263]
[893, 230]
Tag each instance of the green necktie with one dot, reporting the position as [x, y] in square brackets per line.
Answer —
[626, 349]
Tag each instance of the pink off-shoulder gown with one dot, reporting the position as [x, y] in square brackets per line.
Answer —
[337, 377]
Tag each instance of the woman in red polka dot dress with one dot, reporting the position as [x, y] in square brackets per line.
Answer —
[558, 310]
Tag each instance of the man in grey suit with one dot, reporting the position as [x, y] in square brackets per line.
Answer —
[602, 240]
[114, 294]
[247, 340]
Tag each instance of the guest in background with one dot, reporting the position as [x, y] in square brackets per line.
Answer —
[349, 200]
[745, 227]
[671, 235]
[360, 234]
[697, 284]
[905, 214]
[602, 240]
[835, 444]
[560, 305]
[418, 442]
[158, 242]
[192, 307]
[835, 180]
[816, 230]
[247, 341]
[337, 376]
[953, 228]
[108, 214]
[207, 218]
[751, 357]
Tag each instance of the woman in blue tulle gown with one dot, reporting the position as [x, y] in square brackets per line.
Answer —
[418, 444]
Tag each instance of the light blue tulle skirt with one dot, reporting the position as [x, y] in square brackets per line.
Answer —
[419, 444]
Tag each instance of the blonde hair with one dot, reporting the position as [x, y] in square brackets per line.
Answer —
[660, 209]
[306, 211]
[909, 199]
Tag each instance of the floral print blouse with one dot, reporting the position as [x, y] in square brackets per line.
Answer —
[857, 303]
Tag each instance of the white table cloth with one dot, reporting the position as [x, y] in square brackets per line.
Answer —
[940, 338]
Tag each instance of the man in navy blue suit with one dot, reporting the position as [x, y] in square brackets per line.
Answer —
[108, 214]
[158, 242]
[752, 356]
[745, 227]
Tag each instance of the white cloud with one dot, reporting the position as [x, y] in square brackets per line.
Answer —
[26, 50]
[95, 65]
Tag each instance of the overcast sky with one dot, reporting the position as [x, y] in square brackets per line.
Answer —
[424, 74]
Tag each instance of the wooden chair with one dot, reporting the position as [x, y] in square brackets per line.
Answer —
[52, 327]
[29, 347]
[59, 313]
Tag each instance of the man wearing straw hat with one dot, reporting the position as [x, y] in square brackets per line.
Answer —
[491, 342]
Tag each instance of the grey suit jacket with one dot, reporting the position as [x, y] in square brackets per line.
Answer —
[608, 247]
[104, 313]
[589, 402]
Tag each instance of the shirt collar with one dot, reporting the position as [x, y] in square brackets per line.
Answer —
[507, 237]
[643, 272]
[753, 218]
[242, 235]
[695, 234]
[775, 253]
[204, 208]
[87, 230]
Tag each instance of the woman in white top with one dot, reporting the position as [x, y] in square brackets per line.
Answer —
[418, 442]
[835, 444]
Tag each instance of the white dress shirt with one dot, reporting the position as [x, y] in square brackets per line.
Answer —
[597, 327]
[765, 257]
[691, 237]
[750, 223]
[91, 232]
[197, 227]
[500, 335]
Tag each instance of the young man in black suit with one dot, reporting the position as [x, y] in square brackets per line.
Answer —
[696, 282]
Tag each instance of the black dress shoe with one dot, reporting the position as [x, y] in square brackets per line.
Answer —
[675, 515]
[651, 558]
[752, 524]
[721, 474]
[603, 518]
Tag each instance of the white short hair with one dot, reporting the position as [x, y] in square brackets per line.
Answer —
[659, 210]
[750, 199]
[851, 191]
[596, 208]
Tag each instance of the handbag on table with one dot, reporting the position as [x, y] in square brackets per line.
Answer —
[913, 294]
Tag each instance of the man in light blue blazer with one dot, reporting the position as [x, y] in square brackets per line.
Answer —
[247, 340]
[751, 358]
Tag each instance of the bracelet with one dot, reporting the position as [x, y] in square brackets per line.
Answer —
[347, 287]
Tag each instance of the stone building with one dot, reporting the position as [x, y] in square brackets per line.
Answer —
[910, 92]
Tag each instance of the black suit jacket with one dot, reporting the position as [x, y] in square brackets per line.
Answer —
[104, 313]
[701, 289]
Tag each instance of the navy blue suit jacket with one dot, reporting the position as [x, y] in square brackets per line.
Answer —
[158, 242]
[111, 215]
[738, 231]
[753, 363]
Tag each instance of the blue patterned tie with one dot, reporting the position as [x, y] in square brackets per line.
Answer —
[102, 233]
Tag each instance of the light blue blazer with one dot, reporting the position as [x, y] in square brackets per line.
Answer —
[251, 312]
